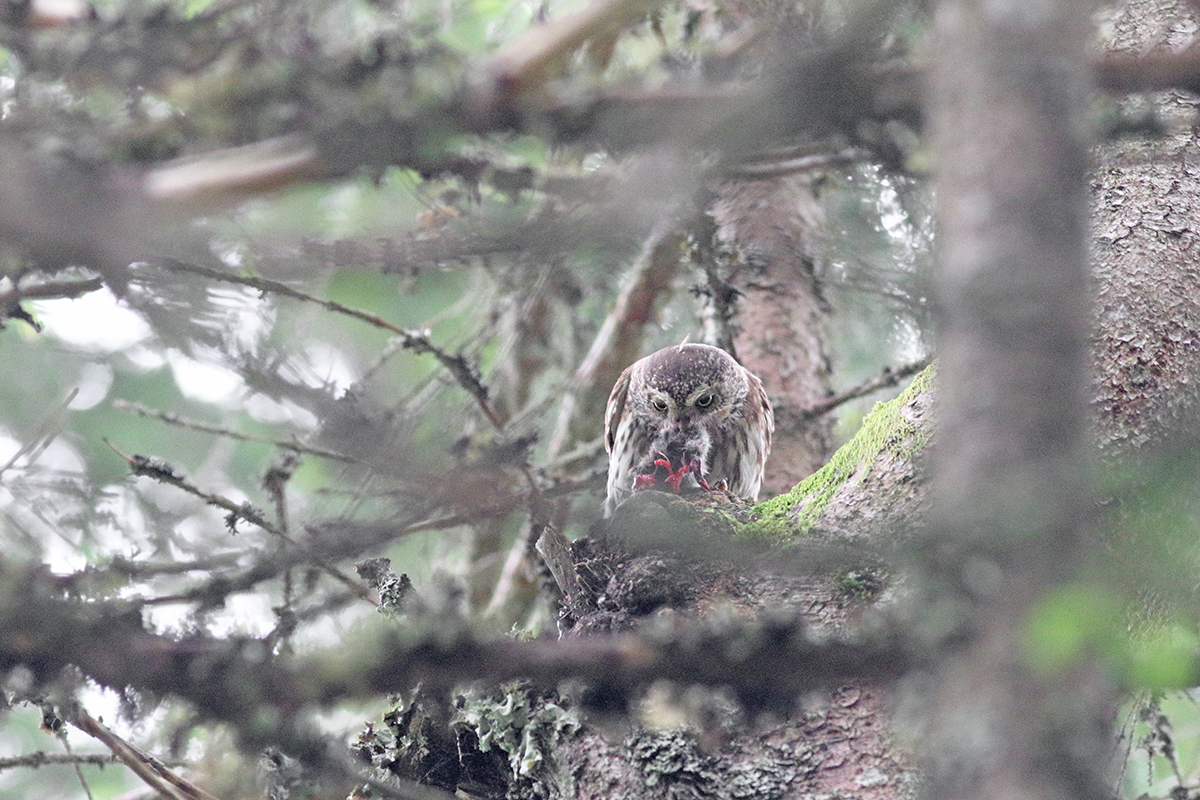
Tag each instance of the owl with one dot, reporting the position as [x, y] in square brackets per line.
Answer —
[686, 417]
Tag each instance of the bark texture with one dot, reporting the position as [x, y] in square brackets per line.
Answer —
[782, 315]
[1146, 192]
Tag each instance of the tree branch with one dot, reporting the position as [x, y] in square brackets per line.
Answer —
[229, 679]
[171, 418]
[164, 473]
[40, 758]
[417, 341]
[890, 377]
[152, 772]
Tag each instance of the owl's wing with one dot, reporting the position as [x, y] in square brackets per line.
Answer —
[616, 407]
[759, 420]
[756, 387]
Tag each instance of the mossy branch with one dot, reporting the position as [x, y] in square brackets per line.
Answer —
[870, 481]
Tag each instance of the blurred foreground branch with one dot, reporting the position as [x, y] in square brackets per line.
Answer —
[233, 680]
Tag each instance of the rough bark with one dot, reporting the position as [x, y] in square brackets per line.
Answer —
[1147, 384]
[782, 315]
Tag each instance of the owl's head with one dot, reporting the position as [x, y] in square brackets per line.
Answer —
[689, 384]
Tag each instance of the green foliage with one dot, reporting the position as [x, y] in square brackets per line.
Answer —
[1072, 622]
[1162, 734]
[1165, 658]
[863, 582]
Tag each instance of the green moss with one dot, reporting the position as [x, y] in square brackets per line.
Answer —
[861, 582]
[794, 513]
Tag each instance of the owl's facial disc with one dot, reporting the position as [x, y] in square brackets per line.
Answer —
[685, 402]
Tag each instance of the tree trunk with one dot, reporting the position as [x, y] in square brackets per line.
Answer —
[1146, 246]
[782, 315]
[1009, 522]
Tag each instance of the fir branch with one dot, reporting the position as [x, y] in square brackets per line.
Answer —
[171, 418]
[417, 341]
[161, 471]
[229, 678]
[152, 772]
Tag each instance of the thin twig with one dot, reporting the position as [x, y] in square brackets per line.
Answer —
[61, 733]
[40, 758]
[50, 290]
[889, 377]
[164, 473]
[153, 772]
[172, 418]
[417, 341]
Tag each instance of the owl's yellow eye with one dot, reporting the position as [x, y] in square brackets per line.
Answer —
[661, 405]
[704, 401]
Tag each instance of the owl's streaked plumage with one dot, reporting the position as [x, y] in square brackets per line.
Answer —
[686, 416]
